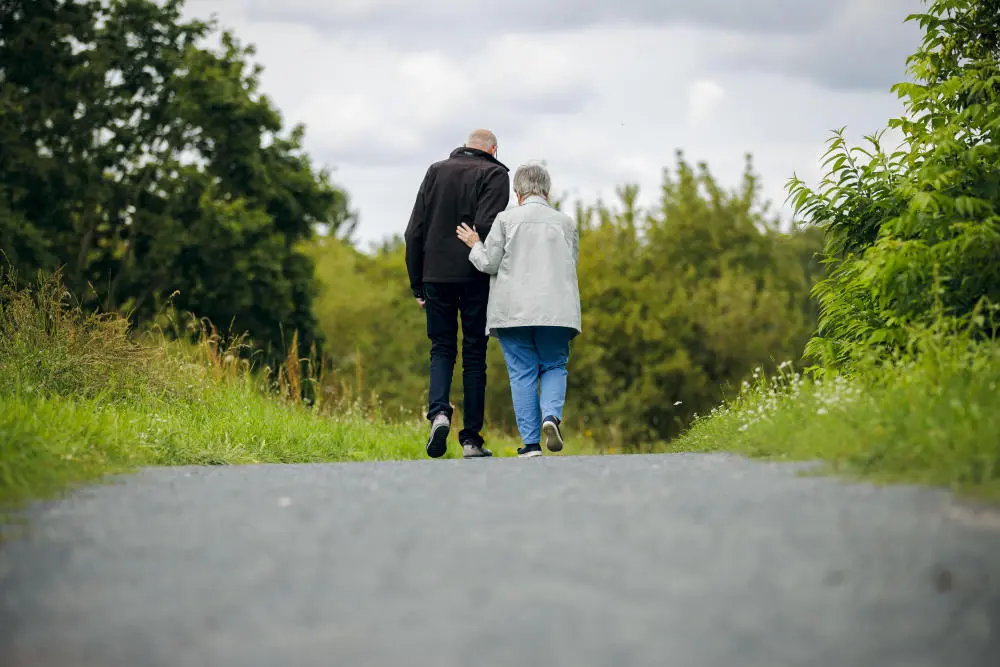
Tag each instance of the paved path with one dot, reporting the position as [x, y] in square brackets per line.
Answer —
[615, 561]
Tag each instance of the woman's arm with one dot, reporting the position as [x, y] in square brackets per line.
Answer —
[575, 245]
[485, 257]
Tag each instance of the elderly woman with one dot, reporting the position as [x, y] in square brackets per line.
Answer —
[534, 308]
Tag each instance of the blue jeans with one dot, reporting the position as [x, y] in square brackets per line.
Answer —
[536, 356]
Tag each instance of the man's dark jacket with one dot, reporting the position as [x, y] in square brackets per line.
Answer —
[470, 186]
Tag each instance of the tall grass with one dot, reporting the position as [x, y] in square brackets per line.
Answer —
[81, 396]
[48, 347]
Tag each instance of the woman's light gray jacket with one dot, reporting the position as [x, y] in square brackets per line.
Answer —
[531, 253]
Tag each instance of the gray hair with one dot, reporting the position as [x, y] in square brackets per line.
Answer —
[532, 179]
[482, 139]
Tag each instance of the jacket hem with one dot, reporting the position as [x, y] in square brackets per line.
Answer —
[492, 327]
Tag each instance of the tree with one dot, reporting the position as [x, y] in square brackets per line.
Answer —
[683, 302]
[147, 164]
[914, 235]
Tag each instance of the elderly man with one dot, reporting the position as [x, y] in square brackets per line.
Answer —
[471, 186]
[534, 306]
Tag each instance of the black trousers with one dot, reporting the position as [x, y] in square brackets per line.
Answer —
[445, 303]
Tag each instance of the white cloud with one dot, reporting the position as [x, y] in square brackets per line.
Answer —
[603, 101]
[703, 97]
[439, 84]
[864, 46]
[437, 17]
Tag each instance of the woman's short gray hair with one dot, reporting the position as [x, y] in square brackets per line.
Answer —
[532, 179]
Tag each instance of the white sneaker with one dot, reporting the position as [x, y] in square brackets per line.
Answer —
[529, 452]
[553, 435]
[470, 451]
[437, 444]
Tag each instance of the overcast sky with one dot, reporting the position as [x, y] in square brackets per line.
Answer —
[605, 91]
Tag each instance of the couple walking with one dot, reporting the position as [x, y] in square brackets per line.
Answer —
[505, 272]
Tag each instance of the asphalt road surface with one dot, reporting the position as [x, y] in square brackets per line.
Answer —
[670, 560]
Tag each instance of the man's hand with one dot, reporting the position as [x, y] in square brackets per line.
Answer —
[468, 235]
[421, 302]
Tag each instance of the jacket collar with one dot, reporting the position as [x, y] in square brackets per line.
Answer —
[465, 151]
[535, 199]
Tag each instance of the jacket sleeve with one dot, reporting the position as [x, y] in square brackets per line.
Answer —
[493, 199]
[416, 233]
[574, 235]
[487, 256]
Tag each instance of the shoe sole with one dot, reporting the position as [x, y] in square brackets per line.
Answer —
[552, 438]
[478, 456]
[529, 455]
[437, 446]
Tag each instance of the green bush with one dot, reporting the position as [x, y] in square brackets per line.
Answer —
[919, 226]
[906, 389]
[683, 301]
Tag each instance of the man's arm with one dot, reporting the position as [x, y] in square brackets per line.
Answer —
[493, 200]
[416, 233]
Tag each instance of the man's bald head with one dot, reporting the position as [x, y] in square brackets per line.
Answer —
[484, 140]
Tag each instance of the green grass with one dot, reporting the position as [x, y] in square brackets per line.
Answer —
[48, 443]
[929, 418]
[81, 398]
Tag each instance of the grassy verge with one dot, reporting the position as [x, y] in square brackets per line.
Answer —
[930, 418]
[80, 398]
[48, 443]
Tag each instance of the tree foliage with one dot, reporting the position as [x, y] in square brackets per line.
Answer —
[146, 163]
[913, 235]
[684, 301]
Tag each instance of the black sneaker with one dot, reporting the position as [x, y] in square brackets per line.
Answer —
[553, 436]
[471, 450]
[529, 451]
[437, 444]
